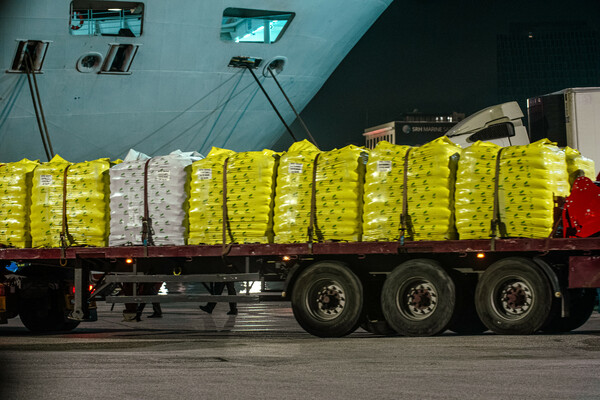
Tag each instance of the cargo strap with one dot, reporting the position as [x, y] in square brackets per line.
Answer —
[406, 228]
[66, 239]
[313, 228]
[226, 224]
[496, 223]
[147, 230]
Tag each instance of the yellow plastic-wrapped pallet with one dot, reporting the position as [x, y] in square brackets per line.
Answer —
[206, 198]
[339, 194]
[430, 184]
[86, 203]
[383, 192]
[530, 177]
[474, 196]
[293, 193]
[578, 165]
[15, 188]
[250, 185]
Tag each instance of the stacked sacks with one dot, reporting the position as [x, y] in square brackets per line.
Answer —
[293, 193]
[383, 192]
[530, 177]
[15, 188]
[250, 180]
[206, 198]
[431, 178]
[578, 165]
[164, 193]
[86, 203]
[474, 204]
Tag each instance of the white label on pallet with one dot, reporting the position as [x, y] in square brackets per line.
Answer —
[45, 180]
[295, 168]
[384, 166]
[204, 174]
[163, 176]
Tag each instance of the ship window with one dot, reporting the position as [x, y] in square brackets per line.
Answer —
[106, 18]
[36, 49]
[242, 25]
[119, 58]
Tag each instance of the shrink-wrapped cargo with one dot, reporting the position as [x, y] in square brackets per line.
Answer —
[474, 203]
[81, 218]
[338, 194]
[578, 165]
[15, 188]
[249, 181]
[293, 193]
[383, 192]
[430, 182]
[150, 211]
[529, 179]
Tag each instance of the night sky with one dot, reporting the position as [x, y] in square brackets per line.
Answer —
[431, 55]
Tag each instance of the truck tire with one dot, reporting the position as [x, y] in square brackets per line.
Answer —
[418, 298]
[513, 297]
[327, 299]
[43, 310]
[465, 320]
[581, 306]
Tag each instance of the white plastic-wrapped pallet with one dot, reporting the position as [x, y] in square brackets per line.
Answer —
[166, 193]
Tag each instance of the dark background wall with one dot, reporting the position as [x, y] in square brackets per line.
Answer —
[439, 57]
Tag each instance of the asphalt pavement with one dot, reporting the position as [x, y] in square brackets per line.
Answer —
[262, 353]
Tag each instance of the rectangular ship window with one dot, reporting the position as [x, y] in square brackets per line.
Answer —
[243, 25]
[106, 18]
[29, 49]
[119, 58]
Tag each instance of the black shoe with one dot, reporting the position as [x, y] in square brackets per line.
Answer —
[232, 312]
[206, 309]
[155, 315]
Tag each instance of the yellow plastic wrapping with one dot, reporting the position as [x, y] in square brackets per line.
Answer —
[578, 165]
[250, 186]
[86, 203]
[529, 178]
[474, 197]
[338, 194]
[293, 193]
[431, 178]
[206, 198]
[15, 188]
[383, 192]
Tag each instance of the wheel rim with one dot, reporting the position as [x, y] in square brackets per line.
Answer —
[513, 298]
[326, 299]
[417, 299]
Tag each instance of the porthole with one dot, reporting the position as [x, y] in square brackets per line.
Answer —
[89, 62]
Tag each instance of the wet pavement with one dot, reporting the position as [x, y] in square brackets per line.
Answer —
[263, 353]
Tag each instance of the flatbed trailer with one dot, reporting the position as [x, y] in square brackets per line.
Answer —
[413, 288]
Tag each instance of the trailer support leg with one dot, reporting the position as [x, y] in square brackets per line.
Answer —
[81, 282]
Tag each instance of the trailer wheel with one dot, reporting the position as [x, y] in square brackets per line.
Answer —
[581, 306]
[327, 299]
[465, 320]
[373, 320]
[418, 298]
[513, 296]
[43, 310]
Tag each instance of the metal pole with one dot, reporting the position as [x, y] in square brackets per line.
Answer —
[272, 105]
[312, 139]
